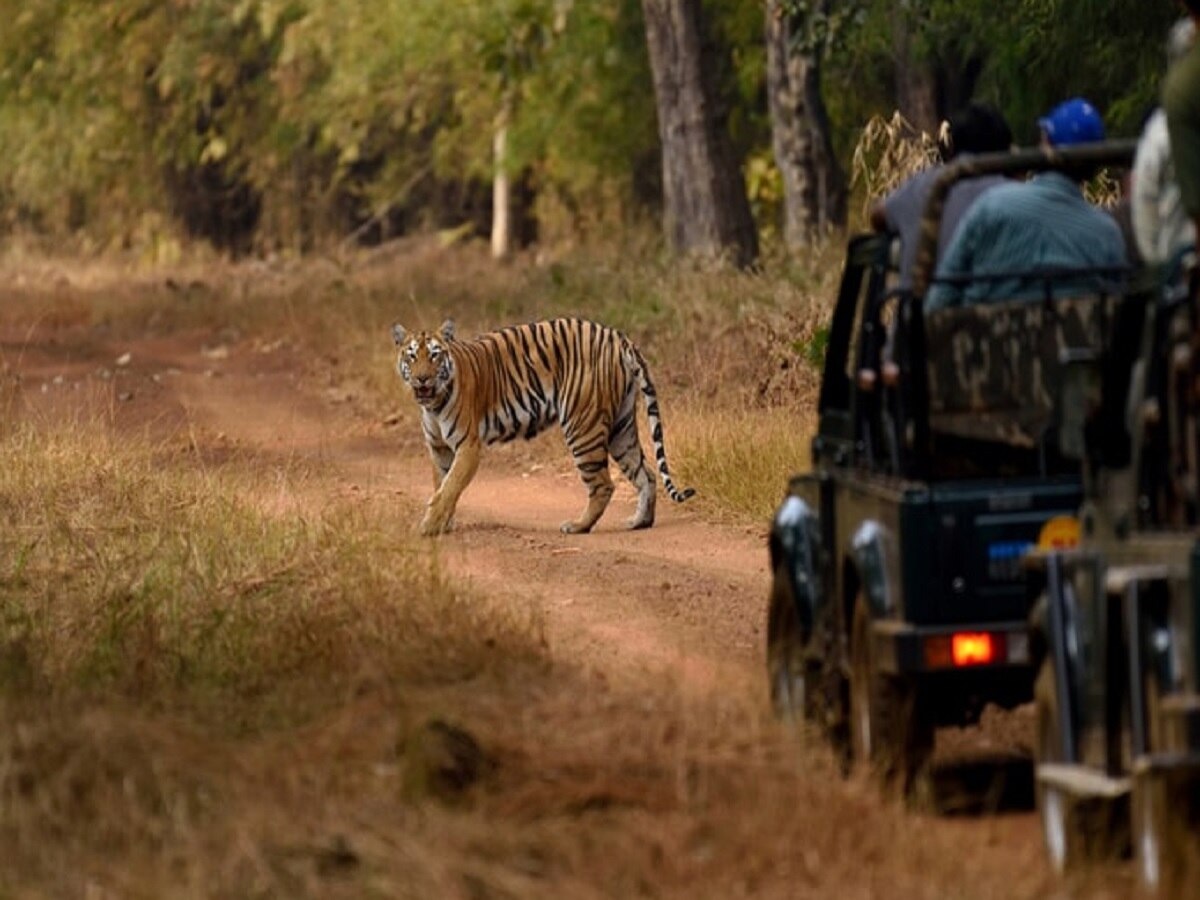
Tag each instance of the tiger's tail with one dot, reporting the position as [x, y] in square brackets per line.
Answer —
[656, 429]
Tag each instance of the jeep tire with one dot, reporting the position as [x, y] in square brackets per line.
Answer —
[791, 676]
[1075, 828]
[889, 730]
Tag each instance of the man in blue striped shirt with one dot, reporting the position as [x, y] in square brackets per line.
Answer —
[1040, 224]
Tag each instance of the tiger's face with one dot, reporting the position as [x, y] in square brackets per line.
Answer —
[424, 362]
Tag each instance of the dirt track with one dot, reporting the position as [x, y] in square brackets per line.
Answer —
[684, 597]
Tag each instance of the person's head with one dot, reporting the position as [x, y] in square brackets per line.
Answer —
[1180, 39]
[1193, 7]
[1075, 121]
[976, 128]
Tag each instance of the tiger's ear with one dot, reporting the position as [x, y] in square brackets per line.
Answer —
[399, 334]
[448, 330]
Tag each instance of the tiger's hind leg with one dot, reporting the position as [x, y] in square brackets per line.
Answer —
[626, 449]
[591, 459]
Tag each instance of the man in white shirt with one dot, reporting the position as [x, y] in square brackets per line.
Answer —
[1161, 226]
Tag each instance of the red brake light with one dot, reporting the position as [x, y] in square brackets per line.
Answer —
[972, 649]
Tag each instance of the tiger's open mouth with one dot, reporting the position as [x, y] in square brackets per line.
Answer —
[423, 394]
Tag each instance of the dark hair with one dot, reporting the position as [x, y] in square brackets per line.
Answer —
[1193, 6]
[978, 128]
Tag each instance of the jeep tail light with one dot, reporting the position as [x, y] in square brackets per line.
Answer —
[965, 648]
[972, 648]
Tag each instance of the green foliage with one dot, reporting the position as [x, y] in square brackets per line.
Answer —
[812, 348]
[1039, 53]
[283, 123]
[825, 26]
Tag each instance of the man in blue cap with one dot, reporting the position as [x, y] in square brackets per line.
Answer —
[1044, 223]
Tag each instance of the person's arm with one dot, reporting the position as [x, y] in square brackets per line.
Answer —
[1114, 243]
[1153, 151]
[879, 216]
[884, 211]
[957, 260]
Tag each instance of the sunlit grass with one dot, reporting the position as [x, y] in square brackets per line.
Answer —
[128, 568]
[740, 460]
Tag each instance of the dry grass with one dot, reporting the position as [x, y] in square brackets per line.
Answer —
[204, 698]
[742, 479]
[888, 152]
[132, 570]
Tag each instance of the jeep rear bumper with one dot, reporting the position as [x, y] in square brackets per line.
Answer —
[904, 649]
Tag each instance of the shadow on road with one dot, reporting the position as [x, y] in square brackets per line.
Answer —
[982, 785]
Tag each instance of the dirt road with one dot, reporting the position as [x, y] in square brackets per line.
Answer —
[684, 597]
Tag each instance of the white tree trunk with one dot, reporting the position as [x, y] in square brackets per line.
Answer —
[501, 192]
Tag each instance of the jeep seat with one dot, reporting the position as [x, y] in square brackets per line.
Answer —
[995, 369]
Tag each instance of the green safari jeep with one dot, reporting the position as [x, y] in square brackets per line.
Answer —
[1117, 624]
[899, 600]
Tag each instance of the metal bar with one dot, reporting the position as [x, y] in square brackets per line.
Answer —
[1137, 696]
[1115, 683]
[1048, 274]
[1081, 781]
[1055, 619]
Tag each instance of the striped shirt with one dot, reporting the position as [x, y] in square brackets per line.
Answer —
[1043, 223]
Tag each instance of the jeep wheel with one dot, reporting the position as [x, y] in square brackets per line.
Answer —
[1165, 837]
[1063, 841]
[1074, 828]
[1148, 801]
[1149, 832]
[888, 729]
[787, 669]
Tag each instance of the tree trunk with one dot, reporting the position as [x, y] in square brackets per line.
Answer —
[956, 79]
[704, 196]
[814, 185]
[501, 190]
[916, 86]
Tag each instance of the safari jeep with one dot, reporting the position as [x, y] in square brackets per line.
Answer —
[899, 600]
[1117, 623]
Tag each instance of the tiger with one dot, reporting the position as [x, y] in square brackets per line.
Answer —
[520, 380]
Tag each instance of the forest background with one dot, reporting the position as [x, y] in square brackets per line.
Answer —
[285, 126]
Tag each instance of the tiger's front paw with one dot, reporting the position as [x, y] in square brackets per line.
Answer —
[574, 527]
[433, 523]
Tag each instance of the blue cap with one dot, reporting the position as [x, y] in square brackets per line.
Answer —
[1073, 122]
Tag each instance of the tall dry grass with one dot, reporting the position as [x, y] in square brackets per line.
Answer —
[888, 152]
